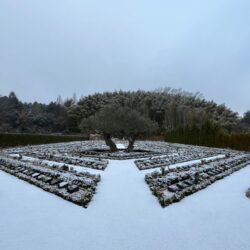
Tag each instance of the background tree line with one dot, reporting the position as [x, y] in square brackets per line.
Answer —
[180, 116]
[170, 108]
[21, 117]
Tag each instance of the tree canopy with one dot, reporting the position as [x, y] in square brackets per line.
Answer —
[169, 108]
[246, 118]
[121, 122]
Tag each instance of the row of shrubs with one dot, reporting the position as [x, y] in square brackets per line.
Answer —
[209, 136]
[11, 140]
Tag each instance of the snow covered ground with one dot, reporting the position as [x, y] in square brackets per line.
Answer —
[125, 215]
[120, 146]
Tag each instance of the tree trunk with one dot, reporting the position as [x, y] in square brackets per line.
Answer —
[110, 143]
[131, 142]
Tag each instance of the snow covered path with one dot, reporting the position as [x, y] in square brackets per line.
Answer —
[125, 215]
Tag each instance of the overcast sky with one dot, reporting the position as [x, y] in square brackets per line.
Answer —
[58, 47]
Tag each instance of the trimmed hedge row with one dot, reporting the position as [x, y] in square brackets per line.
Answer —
[12, 140]
[210, 138]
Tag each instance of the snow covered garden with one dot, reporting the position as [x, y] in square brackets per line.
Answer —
[118, 189]
[73, 170]
[172, 185]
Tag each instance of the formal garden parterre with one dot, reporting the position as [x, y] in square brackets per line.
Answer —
[73, 170]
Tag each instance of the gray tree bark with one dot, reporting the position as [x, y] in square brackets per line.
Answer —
[110, 143]
[131, 142]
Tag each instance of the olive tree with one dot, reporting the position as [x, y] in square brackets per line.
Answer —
[121, 122]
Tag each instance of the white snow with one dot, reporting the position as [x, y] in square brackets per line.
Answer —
[146, 171]
[56, 164]
[120, 146]
[74, 167]
[124, 215]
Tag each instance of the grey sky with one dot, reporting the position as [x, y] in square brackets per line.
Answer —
[52, 47]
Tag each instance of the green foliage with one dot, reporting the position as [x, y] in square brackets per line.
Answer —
[119, 122]
[19, 117]
[11, 140]
[170, 108]
[209, 135]
[246, 118]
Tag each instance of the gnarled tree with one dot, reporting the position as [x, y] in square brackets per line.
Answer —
[121, 122]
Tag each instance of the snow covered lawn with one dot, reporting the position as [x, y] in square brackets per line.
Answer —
[124, 215]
